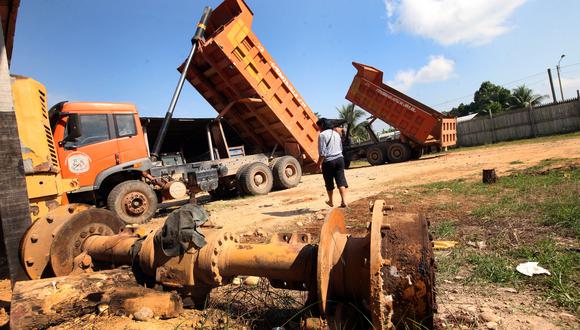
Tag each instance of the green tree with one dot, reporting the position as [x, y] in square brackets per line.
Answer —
[353, 117]
[523, 97]
[488, 97]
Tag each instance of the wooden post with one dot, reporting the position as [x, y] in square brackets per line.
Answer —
[39, 304]
[14, 208]
[489, 176]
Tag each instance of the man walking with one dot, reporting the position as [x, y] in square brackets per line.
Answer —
[330, 159]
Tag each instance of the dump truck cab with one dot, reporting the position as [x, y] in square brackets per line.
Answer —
[97, 139]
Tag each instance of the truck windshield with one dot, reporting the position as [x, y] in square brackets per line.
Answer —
[95, 128]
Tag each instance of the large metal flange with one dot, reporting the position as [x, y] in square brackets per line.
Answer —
[407, 270]
[381, 302]
[36, 242]
[333, 238]
[68, 240]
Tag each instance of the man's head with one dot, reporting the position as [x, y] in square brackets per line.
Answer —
[324, 123]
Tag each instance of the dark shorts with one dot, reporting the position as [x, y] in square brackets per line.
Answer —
[334, 171]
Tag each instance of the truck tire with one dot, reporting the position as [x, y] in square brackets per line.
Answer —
[256, 179]
[375, 156]
[347, 162]
[133, 201]
[398, 152]
[416, 153]
[287, 172]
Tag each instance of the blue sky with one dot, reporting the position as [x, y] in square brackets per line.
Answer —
[438, 51]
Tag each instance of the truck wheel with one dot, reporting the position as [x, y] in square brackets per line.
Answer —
[416, 153]
[347, 162]
[375, 156]
[133, 201]
[256, 179]
[287, 172]
[398, 152]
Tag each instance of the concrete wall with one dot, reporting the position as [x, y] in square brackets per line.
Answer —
[558, 118]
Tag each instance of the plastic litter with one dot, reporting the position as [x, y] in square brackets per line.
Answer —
[444, 245]
[531, 268]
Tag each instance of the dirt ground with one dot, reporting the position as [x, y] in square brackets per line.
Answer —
[282, 207]
[303, 209]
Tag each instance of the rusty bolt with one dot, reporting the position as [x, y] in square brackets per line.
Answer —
[388, 207]
[78, 244]
[34, 238]
[83, 234]
[92, 230]
[30, 262]
[49, 218]
[71, 209]
[86, 261]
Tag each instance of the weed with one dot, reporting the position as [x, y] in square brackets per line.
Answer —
[444, 229]
[491, 267]
[563, 285]
[515, 162]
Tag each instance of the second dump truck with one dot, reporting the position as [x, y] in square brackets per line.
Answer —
[421, 127]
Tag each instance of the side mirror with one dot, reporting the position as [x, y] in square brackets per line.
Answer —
[73, 127]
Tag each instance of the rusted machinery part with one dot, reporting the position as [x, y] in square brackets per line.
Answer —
[36, 242]
[388, 273]
[381, 302]
[408, 269]
[68, 240]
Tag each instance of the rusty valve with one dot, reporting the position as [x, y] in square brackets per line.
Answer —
[387, 274]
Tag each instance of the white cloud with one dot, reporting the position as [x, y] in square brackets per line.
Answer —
[439, 68]
[448, 22]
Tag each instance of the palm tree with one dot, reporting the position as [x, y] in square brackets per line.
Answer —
[353, 115]
[523, 97]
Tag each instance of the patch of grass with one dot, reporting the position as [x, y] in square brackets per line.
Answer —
[564, 284]
[443, 230]
[515, 162]
[491, 267]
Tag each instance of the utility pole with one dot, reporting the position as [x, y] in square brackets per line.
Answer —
[560, 81]
[552, 85]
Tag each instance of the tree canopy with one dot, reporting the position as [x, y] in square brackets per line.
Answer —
[498, 99]
[353, 116]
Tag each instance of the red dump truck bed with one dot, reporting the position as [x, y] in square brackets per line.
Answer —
[233, 71]
[415, 120]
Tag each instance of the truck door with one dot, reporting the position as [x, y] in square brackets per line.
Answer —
[130, 139]
[92, 152]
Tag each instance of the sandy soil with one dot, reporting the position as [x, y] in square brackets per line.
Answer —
[278, 208]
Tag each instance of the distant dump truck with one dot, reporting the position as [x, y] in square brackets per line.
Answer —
[233, 71]
[421, 127]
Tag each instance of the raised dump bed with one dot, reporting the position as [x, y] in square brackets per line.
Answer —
[421, 127]
[233, 71]
[415, 120]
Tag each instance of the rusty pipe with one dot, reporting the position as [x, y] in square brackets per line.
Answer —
[114, 249]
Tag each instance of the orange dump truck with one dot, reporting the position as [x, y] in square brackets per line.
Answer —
[421, 127]
[233, 71]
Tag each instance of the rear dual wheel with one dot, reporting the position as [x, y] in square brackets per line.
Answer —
[287, 172]
[256, 179]
[375, 156]
[398, 152]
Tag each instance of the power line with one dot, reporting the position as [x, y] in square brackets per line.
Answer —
[510, 83]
